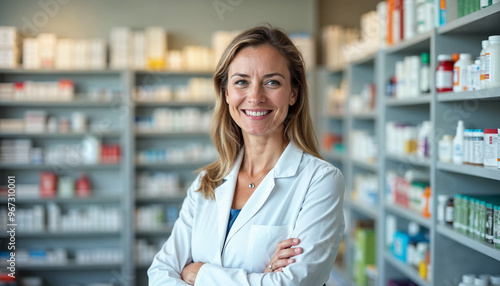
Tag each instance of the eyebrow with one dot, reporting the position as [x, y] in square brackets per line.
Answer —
[265, 76]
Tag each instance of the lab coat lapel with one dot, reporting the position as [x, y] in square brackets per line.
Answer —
[224, 198]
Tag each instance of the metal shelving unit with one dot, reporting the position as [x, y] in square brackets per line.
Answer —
[405, 269]
[369, 211]
[408, 214]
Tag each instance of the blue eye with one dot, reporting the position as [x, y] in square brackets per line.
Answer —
[241, 82]
[273, 82]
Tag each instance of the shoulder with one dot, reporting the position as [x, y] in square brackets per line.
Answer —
[319, 166]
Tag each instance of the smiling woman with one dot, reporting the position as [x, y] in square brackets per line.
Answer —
[269, 210]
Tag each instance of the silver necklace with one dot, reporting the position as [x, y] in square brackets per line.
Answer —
[252, 184]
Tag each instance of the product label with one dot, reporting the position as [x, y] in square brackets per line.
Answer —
[487, 66]
[449, 214]
[444, 79]
[456, 76]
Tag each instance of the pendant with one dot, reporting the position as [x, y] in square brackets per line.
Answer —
[251, 185]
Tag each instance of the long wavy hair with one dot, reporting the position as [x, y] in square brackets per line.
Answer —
[226, 134]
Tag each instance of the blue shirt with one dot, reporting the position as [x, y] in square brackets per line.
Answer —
[232, 217]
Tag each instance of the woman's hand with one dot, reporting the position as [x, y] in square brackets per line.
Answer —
[190, 271]
[283, 255]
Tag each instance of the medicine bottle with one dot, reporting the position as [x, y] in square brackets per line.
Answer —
[478, 147]
[490, 147]
[492, 62]
[460, 72]
[495, 280]
[446, 148]
[441, 208]
[448, 215]
[467, 146]
[444, 74]
[482, 63]
[425, 73]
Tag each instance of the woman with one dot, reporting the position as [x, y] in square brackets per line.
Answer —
[269, 210]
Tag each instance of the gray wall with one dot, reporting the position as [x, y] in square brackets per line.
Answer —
[187, 21]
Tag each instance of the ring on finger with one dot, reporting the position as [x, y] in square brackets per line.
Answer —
[271, 267]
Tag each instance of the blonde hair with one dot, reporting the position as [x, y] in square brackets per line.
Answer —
[226, 134]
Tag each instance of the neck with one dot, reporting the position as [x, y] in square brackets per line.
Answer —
[261, 155]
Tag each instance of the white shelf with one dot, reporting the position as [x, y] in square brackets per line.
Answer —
[56, 167]
[365, 165]
[77, 103]
[206, 104]
[71, 201]
[335, 116]
[411, 160]
[366, 60]
[477, 171]
[164, 231]
[161, 199]
[408, 214]
[414, 45]
[67, 234]
[367, 115]
[58, 135]
[484, 21]
[61, 71]
[170, 134]
[174, 72]
[69, 266]
[479, 246]
[482, 94]
[421, 100]
[405, 269]
[369, 211]
[176, 165]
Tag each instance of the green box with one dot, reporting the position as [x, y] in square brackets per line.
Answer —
[365, 254]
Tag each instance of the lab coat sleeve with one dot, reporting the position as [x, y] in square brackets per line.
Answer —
[320, 227]
[176, 252]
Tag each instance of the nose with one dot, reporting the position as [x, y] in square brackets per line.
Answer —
[256, 94]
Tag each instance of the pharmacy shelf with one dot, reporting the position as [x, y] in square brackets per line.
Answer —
[482, 94]
[368, 115]
[365, 165]
[61, 167]
[143, 265]
[366, 60]
[175, 72]
[164, 231]
[421, 100]
[71, 201]
[176, 165]
[477, 171]
[408, 214]
[206, 104]
[333, 156]
[160, 199]
[342, 273]
[61, 71]
[335, 116]
[410, 160]
[484, 21]
[68, 266]
[416, 44]
[58, 135]
[169, 134]
[479, 246]
[369, 211]
[64, 234]
[77, 103]
[405, 269]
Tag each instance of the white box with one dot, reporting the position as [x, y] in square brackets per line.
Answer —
[8, 37]
[31, 55]
[47, 48]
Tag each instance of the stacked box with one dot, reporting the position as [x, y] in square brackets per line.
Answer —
[121, 48]
[139, 46]
[64, 54]
[47, 44]
[97, 51]
[82, 54]
[34, 121]
[15, 151]
[156, 39]
[365, 242]
[31, 55]
[9, 51]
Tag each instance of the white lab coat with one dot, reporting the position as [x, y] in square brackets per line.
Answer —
[300, 197]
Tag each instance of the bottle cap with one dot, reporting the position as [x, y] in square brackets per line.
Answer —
[444, 57]
[465, 56]
[425, 58]
[468, 278]
[480, 282]
[494, 39]
[485, 43]
[455, 57]
[491, 131]
[442, 198]
[447, 137]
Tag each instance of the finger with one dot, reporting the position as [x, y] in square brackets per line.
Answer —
[287, 243]
[280, 264]
[289, 252]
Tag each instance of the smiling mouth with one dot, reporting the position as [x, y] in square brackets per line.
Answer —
[257, 113]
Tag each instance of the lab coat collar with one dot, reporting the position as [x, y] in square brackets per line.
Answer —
[286, 166]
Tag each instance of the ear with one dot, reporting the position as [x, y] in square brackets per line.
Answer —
[293, 97]
[226, 95]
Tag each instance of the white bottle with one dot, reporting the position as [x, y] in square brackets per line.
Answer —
[460, 72]
[492, 62]
[423, 145]
[458, 144]
[445, 149]
[484, 45]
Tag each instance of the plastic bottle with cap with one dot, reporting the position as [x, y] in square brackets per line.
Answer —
[444, 73]
[468, 279]
[460, 72]
[492, 62]
[482, 64]
[458, 144]
[480, 282]
[495, 280]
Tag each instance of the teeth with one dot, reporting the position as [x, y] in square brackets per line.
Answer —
[256, 113]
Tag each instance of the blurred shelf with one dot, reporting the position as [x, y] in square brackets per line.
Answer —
[419, 43]
[72, 201]
[370, 211]
[47, 135]
[68, 234]
[76, 103]
[482, 22]
[164, 231]
[161, 199]
[365, 165]
[70, 266]
[174, 72]
[342, 275]
[405, 269]
[62, 71]
[58, 167]
[206, 104]
[477, 245]
[143, 265]
[336, 116]
[477, 171]
[177, 165]
[170, 134]
[336, 69]
[408, 214]
[482, 94]
[334, 156]
[411, 160]
[421, 100]
[367, 115]
[369, 59]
